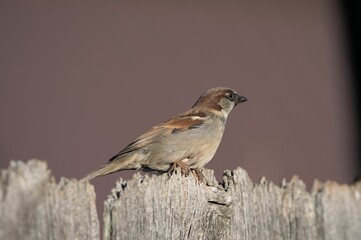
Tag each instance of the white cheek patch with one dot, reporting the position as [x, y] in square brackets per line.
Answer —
[185, 160]
[225, 111]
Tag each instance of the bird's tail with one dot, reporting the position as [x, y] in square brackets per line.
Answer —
[103, 170]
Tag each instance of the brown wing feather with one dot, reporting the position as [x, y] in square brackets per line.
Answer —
[183, 124]
[179, 124]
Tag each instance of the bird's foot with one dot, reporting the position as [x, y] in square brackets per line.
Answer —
[199, 176]
[184, 168]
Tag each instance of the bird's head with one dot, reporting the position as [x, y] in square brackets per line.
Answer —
[220, 100]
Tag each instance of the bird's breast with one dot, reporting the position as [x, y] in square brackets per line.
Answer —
[196, 146]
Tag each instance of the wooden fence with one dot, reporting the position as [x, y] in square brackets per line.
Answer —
[34, 206]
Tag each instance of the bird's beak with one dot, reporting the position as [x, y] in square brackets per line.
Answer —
[240, 99]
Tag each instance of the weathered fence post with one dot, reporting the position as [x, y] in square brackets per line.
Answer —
[155, 207]
[33, 206]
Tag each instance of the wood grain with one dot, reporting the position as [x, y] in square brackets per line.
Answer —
[34, 206]
[155, 207]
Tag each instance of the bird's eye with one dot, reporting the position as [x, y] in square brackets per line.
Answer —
[230, 96]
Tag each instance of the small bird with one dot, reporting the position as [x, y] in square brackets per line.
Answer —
[188, 141]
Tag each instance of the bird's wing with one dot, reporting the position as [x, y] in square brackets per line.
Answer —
[181, 123]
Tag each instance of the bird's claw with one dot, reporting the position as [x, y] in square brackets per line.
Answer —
[184, 168]
[199, 176]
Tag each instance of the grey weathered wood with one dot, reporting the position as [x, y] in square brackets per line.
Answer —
[33, 206]
[155, 207]
[340, 206]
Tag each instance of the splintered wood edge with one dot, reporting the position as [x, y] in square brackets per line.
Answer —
[232, 177]
[31, 182]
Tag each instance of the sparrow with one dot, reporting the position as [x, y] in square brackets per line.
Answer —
[188, 141]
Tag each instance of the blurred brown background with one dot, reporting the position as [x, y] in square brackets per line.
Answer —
[80, 80]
